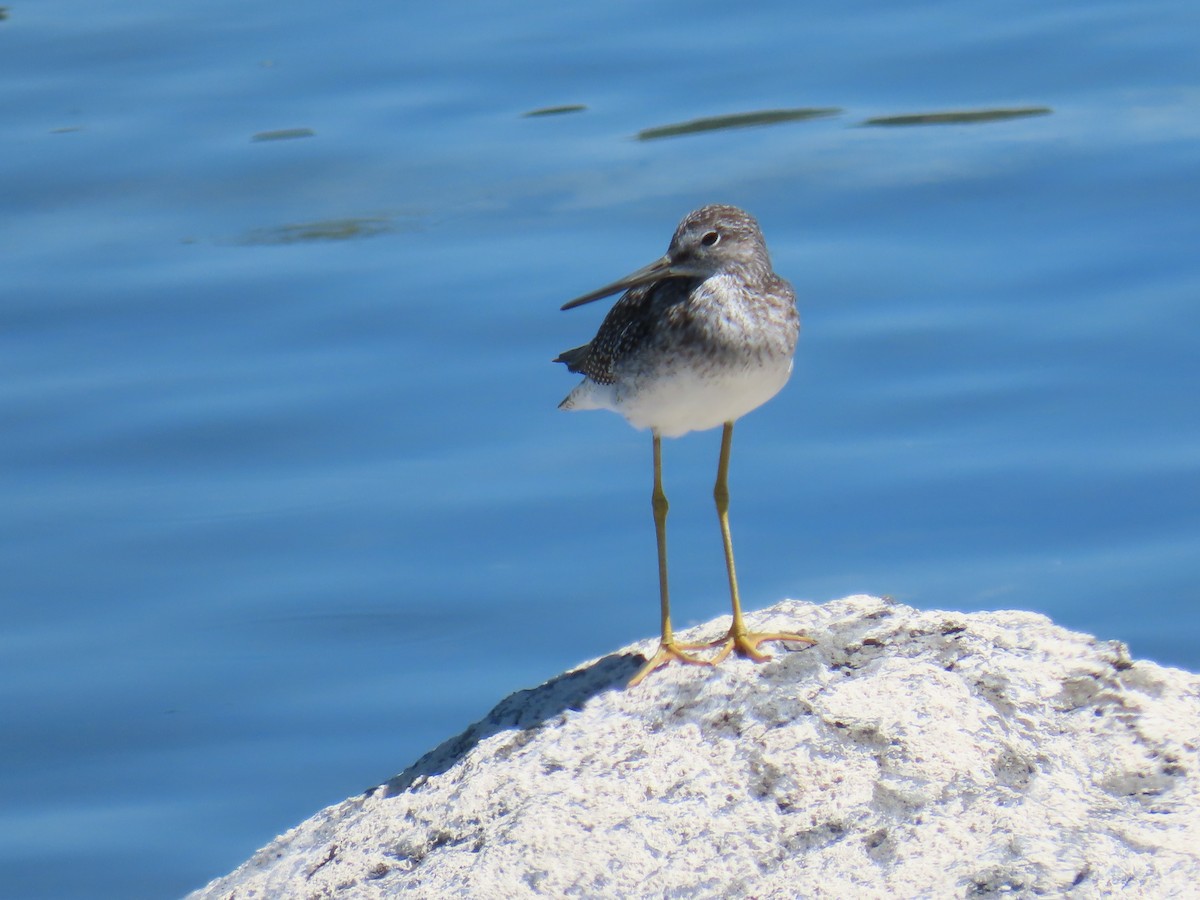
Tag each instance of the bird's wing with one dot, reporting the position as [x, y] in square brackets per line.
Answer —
[629, 325]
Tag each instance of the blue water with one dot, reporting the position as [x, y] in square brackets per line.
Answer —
[285, 496]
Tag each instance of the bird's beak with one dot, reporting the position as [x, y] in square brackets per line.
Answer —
[656, 271]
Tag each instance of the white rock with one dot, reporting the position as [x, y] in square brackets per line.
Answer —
[907, 754]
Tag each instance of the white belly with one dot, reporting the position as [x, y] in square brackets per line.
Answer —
[687, 400]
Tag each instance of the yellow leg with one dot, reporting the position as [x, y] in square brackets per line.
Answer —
[739, 640]
[667, 648]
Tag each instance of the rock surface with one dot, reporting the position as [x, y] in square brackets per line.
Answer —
[931, 754]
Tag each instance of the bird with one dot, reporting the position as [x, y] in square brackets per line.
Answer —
[697, 339]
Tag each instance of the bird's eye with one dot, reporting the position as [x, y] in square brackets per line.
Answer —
[709, 239]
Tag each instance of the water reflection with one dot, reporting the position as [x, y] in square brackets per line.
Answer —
[554, 110]
[283, 134]
[961, 117]
[345, 229]
[736, 120]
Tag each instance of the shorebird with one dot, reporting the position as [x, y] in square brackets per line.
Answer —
[699, 338]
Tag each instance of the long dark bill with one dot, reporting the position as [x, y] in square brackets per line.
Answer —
[656, 271]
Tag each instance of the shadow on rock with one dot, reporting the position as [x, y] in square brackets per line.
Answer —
[522, 711]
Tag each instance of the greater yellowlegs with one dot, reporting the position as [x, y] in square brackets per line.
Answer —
[700, 338]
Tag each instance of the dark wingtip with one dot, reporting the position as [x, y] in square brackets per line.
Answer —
[573, 358]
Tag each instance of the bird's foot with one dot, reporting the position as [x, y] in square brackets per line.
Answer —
[666, 652]
[745, 643]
